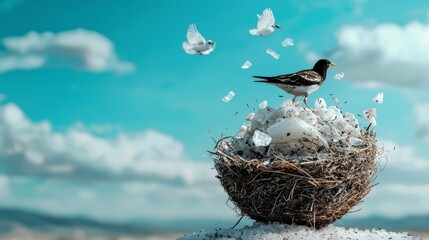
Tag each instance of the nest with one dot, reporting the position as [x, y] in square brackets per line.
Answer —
[313, 192]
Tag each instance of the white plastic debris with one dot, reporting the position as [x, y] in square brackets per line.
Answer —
[370, 115]
[263, 104]
[250, 116]
[293, 128]
[338, 76]
[378, 98]
[246, 65]
[292, 133]
[261, 139]
[242, 131]
[273, 54]
[260, 119]
[229, 96]
[287, 42]
[355, 141]
[287, 103]
[320, 104]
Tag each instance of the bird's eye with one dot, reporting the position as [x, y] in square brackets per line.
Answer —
[210, 42]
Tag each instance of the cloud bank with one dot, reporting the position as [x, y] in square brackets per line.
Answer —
[145, 175]
[421, 112]
[78, 49]
[34, 149]
[386, 54]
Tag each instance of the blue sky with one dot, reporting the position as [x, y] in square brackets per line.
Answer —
[104, 115]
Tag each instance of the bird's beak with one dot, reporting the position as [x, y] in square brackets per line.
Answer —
[332, 64]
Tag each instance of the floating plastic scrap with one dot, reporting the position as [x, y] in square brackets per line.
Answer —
[378, 98]
[246, 65]
[250, 116]
[228, 97]
[272, 53]
[263, 104]
[287, 42]
[261, 139]
[338, 76]
[370, 115]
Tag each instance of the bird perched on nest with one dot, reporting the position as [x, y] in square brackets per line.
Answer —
[197, 43]
[301, 83]
[266, 24]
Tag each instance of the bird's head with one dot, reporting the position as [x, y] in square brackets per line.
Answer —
[276, 26]
[322, 65]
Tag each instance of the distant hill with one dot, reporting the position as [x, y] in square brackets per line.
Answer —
[64, 226]
[67, 226]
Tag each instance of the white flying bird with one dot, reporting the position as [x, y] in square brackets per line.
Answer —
[197, 43]
[265, 24]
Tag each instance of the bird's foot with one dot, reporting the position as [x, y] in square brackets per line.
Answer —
[305, 102]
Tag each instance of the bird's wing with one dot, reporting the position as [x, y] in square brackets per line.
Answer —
[189, 49]
[266, 20]
[301, 78]
[193, 36]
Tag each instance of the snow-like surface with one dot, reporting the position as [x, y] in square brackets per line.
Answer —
[272, 53]
[277, 231]
[293, 127]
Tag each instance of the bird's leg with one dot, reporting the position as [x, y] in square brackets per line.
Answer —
[305, 102]
[293, 99]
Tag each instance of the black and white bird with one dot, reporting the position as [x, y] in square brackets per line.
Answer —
[266, 24]
[301, 83]
[197, 43]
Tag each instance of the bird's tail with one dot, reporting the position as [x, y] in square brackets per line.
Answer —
[254, 31]
[189, 49]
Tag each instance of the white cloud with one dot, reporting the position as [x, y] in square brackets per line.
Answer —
[416, 190]
[146, 175]
[421, 114]
[4, 185]
[403, 187]
[385, 54]
[79, 49]
[396, 200]
[404, 157]
[34, 149]
[85, 194]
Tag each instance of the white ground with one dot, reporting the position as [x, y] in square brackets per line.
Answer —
[276, 231]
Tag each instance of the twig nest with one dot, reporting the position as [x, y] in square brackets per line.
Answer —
[298, 166]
